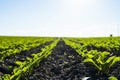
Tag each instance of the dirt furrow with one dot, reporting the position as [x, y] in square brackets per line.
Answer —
[63, 64]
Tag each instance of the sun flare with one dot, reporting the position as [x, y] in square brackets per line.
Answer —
[81, 3]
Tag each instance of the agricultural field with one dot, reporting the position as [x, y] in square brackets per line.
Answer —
[53, 58]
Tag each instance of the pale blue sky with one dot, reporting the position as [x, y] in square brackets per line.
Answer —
[76, 18]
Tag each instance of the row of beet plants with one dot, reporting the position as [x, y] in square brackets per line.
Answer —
[102, 61]
[110, 44]
[13, 45]
[25, 68]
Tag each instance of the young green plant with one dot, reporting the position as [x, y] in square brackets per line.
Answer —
[101, 60]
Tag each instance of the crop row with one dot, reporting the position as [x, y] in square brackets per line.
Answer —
[25, 68]
[102, 60]
[13, 45]
[111, 44]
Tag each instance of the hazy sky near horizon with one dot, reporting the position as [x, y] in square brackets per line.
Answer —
[76, 18]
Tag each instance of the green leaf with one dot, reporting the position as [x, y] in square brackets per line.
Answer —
[99, 61]
[112, 78]
[104, 54]
[110, 59]
[89, 55]
[6, 77]
[116, 59]
[92, 62]
[15, 70]
[29, 59]
[18, 62]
